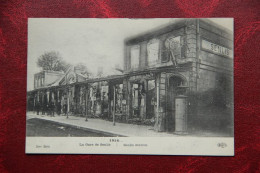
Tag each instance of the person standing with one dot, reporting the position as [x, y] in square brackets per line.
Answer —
[58, 107]
[38, 107]
[65, 109]
[44, 107]
[48, 109]
[52, 107]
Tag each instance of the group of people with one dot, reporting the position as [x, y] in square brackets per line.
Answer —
[51, 108]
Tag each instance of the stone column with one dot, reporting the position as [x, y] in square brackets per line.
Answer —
[143, 99]
[160, 101]
[157, 115]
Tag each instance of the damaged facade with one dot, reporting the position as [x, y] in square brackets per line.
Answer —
[177, 78]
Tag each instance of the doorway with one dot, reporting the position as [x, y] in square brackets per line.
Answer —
[173, 91]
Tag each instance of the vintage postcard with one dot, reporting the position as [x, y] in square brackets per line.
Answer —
[160, 86]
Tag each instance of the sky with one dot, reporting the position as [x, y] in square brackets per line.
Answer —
[94, 42]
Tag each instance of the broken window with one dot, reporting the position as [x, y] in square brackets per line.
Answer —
[153, 51]
[135, 54]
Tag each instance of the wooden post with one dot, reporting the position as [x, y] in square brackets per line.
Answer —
[86, 102]
[145, 99]
[68, 102]
[157, 96]
[114, 106]
[125, 94]
[129, 98]
[109, 100]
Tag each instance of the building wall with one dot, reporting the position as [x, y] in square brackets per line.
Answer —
[206, 73]
[51, 77]
[191, 37]
[186, 33]
[214, 92]
[39, 80]
[143, 59]
[45, 78]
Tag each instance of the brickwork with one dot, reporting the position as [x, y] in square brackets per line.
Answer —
[192, 54]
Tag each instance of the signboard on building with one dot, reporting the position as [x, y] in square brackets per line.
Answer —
[215, 48]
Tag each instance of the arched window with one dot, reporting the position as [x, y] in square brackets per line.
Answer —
[135, 55]
[153, 51]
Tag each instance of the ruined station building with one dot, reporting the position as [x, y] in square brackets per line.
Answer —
[177, 78]
[182, 76]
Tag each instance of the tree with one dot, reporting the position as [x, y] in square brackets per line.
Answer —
[52, 61]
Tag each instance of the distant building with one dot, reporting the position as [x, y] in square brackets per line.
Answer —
[46, 78]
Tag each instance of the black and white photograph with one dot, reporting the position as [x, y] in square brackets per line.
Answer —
[155, 86]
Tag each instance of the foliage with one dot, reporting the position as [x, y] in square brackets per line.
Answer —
[52, 61]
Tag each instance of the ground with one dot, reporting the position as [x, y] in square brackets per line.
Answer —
[43, 125]
[42, 128]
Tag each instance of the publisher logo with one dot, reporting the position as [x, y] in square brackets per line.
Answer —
[222, 145]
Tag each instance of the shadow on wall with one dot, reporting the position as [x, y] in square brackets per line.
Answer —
[212, 110]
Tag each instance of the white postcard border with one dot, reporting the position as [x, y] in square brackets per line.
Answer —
[183, 145]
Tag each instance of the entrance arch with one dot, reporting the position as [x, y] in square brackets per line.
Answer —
[176, 87]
